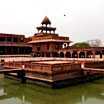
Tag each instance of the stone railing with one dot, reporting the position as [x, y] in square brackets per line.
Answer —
[44, 37]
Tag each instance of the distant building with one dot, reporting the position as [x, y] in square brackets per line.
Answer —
[13, 44]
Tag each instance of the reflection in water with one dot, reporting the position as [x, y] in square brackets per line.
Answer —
[12, 100]
[82, 99]
[2, 92]
[23, 99]
[13, 92]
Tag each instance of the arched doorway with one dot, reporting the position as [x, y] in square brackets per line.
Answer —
[98, 54]
[103, 53]
[33, 54]
[38, 54]
[47, 54]
[55, 54]
[74, 54]
[61, 54]
[89, 54]
[42, 54]
[82, 55]
[68, 55]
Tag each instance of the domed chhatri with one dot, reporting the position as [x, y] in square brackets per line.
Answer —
[45, 28]
[46, 21]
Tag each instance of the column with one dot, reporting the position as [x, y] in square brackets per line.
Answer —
[85, 54]
[101, 54]
[93, 56]
[71, 52]
[78, 54]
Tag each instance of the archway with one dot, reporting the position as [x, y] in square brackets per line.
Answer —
[103, 53]
[38, 54]
[33, 54]
[42, 54]
[61, 54]
[82, 55]
[55, 54]
[47, 54]
[68, 55]
[89, 54]
[98, 54]
[74, 54]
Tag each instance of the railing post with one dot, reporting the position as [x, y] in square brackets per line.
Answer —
[82, 65]
[21, 75]
[23, 78]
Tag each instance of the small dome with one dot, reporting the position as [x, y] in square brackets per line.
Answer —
[46, 21]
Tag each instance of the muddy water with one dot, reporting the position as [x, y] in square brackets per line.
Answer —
[13, 92]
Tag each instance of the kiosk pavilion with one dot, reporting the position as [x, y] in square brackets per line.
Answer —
[46, 43]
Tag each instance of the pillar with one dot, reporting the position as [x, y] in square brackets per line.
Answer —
[78, 54]
[21, 75]
[101, 54]
[51, 54]
[85, 54]
[93, 56]
[71, 52]
[18, 49]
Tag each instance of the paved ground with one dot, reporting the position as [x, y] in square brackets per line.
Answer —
[6, 59]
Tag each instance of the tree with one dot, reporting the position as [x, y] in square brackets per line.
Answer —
[81, 45]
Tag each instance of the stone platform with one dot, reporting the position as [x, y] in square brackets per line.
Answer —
[50, 71]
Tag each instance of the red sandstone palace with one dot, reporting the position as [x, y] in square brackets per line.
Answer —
[45, 43]
[13, 44]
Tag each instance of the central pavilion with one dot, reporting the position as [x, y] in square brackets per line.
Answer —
[46, 43]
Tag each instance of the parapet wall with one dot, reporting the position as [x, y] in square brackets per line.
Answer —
[49, 70]
[99, 64]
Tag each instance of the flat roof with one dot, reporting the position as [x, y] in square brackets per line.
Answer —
[11, 35]
[48, 40]
[53, 62]
[14, 44]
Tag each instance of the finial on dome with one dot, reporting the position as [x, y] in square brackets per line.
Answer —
[46, 21]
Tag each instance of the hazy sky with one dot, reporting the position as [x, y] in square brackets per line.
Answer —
[84, 19]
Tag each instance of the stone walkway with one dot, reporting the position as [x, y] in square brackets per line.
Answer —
[7, 59]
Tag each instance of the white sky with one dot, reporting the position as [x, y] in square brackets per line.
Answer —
[84, 19]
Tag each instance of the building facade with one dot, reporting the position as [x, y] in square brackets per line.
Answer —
[46, 43]
[13, 44]
[91, 52]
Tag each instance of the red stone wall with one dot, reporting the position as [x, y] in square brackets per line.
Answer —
[66, 71]
[47, 71]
